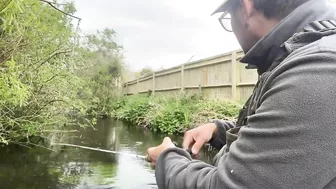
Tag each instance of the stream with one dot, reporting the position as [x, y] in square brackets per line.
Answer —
[73, 168]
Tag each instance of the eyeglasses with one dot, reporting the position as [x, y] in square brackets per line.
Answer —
[225, 21]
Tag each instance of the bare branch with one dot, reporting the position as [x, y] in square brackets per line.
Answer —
[48, 103]
[8, 2]
[35, 114]
[53, 77]
[40, 146]
[52, 4]
[55, 53]
[41, 87]
[59, 131]
[21, 144]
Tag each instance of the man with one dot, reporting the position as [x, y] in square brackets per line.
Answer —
[285, 136]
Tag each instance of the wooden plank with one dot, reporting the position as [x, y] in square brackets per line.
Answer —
[142, 92]
[125, 91]
[167, 73]
[132, 82]
[191, 87]
[182, 77]
[245, 84]
[228, 54]
[207, 64]
[138, 87]
[209, 86]
[153, 87]
[146, 78]
[169, 89]
[234, 76]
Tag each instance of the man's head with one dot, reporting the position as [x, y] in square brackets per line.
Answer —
[253, 19]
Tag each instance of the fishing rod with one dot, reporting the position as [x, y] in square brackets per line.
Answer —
[102, 150]
[146, 158]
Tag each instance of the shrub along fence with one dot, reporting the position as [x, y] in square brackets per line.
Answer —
[218, 77]
[172, 115]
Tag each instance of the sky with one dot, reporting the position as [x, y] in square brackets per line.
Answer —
[159, 33]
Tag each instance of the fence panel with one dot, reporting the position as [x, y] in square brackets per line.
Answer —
[218, 77]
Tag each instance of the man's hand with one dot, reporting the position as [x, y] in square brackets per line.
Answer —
[197, 137]
[154, 152]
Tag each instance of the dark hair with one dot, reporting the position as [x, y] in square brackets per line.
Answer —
[277, 8]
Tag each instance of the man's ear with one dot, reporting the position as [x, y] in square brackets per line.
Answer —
[248, 8]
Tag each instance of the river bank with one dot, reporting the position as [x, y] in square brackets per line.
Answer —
[172, 115]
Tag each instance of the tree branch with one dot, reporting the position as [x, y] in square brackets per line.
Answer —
[55, 53]
[8, 2]
[53, 77]
[50, 79]
[52, 4]
[48, 103]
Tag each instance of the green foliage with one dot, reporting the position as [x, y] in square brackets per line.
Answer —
[172, 115]
[144, 72]
[173, 118]
[209, 110]
[103, 68]
[133, 110]
[49, 70]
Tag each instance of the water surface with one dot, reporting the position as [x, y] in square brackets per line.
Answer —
[72, 168]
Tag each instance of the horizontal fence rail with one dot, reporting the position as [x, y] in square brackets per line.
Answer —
[218, 77]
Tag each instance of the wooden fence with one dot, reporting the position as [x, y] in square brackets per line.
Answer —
[218, 77]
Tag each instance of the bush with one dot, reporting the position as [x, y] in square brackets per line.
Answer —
[209, 110]
[172, 115]
[132, 109]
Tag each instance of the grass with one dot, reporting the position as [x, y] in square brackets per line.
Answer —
[172, 115]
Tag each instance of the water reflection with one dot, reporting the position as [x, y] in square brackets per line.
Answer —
[68, 167]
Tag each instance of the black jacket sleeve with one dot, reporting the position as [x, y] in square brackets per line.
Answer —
[219, 138]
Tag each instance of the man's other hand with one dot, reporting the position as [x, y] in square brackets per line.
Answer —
[154, 152]
[196, 138]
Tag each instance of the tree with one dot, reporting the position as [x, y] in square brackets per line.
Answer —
[104, 68]
[48, 69]
[146, 71]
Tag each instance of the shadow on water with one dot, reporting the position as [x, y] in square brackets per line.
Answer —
[72, 168]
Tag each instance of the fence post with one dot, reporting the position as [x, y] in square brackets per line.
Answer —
[234, 76]
[182, 78]
[125, 89]
[138, 87]
[153, 87]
